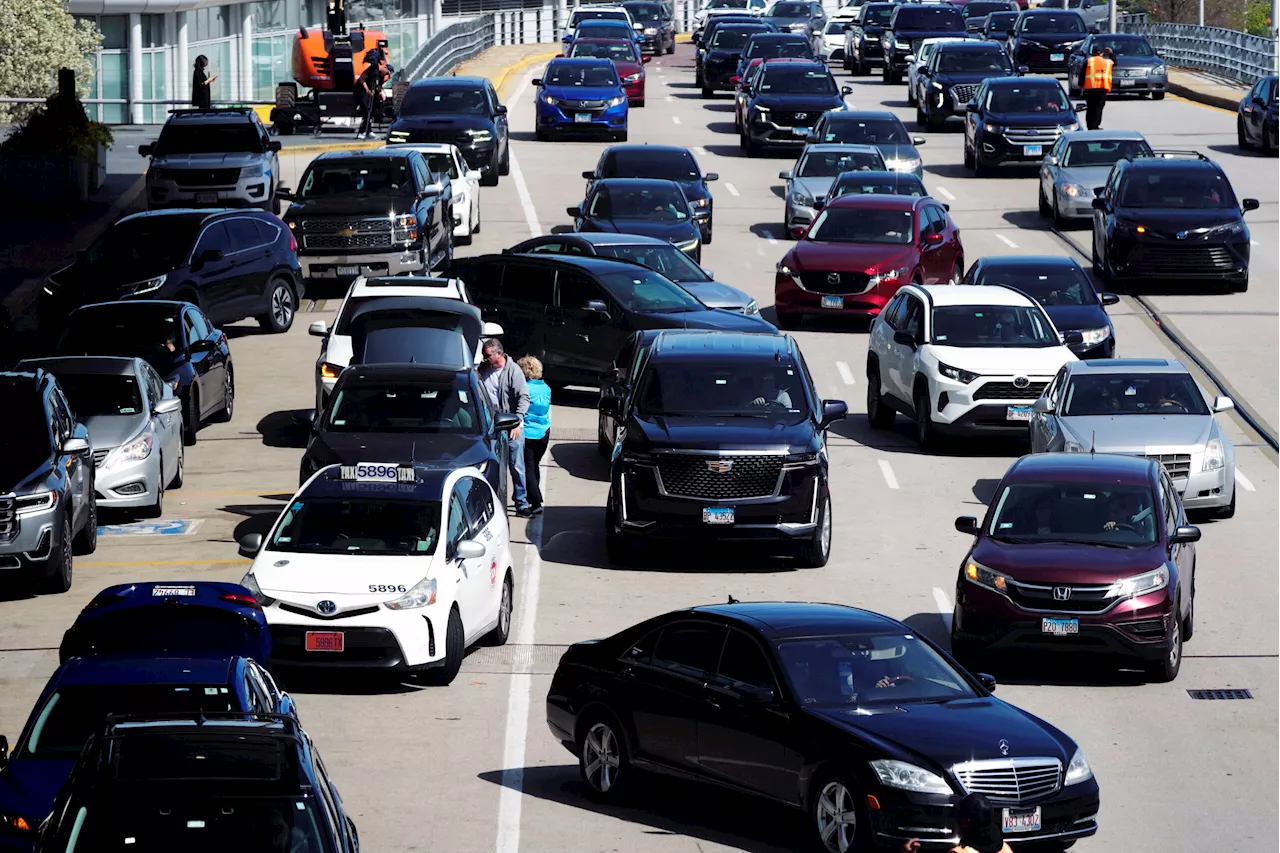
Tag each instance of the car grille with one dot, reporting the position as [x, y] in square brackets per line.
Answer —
[1061, 598]
[1033, 135]
[1009, 391]
[203, 177]
[100, 456]
[1010, 780]
[451, 137]
[312, 613]
[1176, 465]
[346, 233]
[572, 104]
[1182, 260]
[8, 521]
[1132, 72]
[963, 93]
[690, 475]
[355, 241]
[846, 283]
[798, 119]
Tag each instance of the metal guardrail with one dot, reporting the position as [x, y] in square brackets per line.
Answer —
[1230, 54]
[449, 46]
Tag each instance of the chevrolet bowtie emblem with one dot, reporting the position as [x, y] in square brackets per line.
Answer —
[720, 466]
[346, 232]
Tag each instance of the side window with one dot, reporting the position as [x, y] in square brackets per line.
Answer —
[642, 652]
[531, 283]
[58, 421]
[744, 664]
[458, 526]
[244, 236]
[690, 648]
[483, 278]
[479, 501]
[892, 313]
[553, 248]
[330, 807]
[1055, 388]
[203, 327]
[493, 99]
[189, 325]
[809, 386]
[258, 701]
[1171, 514]
[267, 233]
[913, 318]
[575, 290]
[155, 386]
[626, 356]
[214, 237]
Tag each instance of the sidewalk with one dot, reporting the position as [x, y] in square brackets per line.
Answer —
[504, 63]
[1206, 89]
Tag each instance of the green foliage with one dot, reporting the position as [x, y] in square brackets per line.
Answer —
[37, 37]
[59, 127]
[1257, 18]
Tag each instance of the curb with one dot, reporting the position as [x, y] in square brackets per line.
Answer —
[1206, 98]
[520, 66]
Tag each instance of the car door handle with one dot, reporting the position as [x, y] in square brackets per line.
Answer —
[627, 673]
[554, 322]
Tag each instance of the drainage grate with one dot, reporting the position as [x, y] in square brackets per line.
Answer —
[1220, 694]
[514, 659]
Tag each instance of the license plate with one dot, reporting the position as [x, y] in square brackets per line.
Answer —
[325, 641]
[582, 118]
[206, 198]
[1017, 413]
[1127, 82]
[1059, 628]
[1033, 150]
[800, 131]
[1057, 57]
[1022, 820]
[717, 515]
[169, 591]
[833, 302]
[348, 270]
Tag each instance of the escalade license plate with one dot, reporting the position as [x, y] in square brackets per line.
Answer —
[800, 131]
[1033, 150]
[1060, 627]
[206, 198]
[833, 302]
[582, 118]
[1017, 413]
[1022, 820]
[348, 270]
[1057, 57]
[717, 515]
[325, 641]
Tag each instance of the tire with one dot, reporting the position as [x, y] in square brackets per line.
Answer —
[1239, 286]
[443, 676]
[926, 432]
[710, 233]
[180, 476]
[539, 135]
[620, 136]
[1227, 511]
[788, 320]
[603, 445]
[479, 216]
[753, 147]
[60, 561]
[603, 763]
[276, 206]
[968, 157]
[228, 396]
[1157, 96]
[1060, 222]
[616, 546]
[1045, 210]
[922, 120]
[504, 165]
[502, 631]
[1166, 669]
[1099, 269]
[879, 416]
[1189, 621]
[707, 92]
[86, 541]
[833, 804]
[671, 48]
[157, 509]
[490, 178]
[282, 306]
[1242, 138]
[911, 100]
[465, 239]
[846, 63]
[815, 551]
[191, 416]
[638, 104]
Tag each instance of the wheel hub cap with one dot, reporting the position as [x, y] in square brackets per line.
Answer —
[282, 305]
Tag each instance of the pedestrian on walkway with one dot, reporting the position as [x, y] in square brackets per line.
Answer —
[1096, 83]
[537, 430]
[201, 83]
[503, 381]
[368, 89]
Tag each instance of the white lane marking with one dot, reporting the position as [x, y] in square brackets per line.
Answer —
[1244, 481]
[845, 373]
[1006, 241]
[890, 480]
[1254, 242]
[946, 194]
[675, 119]
[732, 189]
[700, 151]
[944, 607]
[768, 235]
[526, 201]
[760, 251]
[669, 99]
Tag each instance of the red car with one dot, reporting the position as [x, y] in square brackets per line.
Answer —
[744, 83]
[625, 58]
[860, 250]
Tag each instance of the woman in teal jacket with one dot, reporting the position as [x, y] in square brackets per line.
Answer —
[537, 429]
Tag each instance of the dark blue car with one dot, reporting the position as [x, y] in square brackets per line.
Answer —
[648, 207]
[602, 28]
[580, 96]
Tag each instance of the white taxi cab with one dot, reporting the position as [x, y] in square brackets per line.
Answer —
[385, 566]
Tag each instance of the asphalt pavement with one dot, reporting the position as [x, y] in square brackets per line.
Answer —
[472, 767]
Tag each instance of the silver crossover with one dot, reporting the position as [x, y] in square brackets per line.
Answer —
[1078, 163]
[1148, 407]
[819, 165]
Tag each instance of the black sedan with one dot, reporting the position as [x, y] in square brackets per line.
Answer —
[637, 206]
[848, 715]
[1256, 120]
[662, 162]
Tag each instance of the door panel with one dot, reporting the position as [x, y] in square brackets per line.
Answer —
[253, 266]
[216, 280]
[586, 341]
[666, 695]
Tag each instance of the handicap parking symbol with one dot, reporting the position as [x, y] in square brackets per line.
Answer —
[176, 527]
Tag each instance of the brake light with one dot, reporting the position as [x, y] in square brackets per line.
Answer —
[293, 242]
[21, 823]
[246, 600]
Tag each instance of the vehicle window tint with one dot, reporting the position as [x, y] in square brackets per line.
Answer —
[60, 416]
[257, 698]
[690, 648]
[528, 283]
[576, 290]
[479, 502]
[195, 326]
[642, 652]
[743, 664]
[243, 234]
[214, 237]
[1169, 502]
[913, 318]
[483, 277]
[267, 233]
[329, 805]
[626, 356]
[548, 249]
[892, 313]
[155, 387]
[458, 525]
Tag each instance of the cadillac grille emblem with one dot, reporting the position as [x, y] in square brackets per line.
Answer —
[1062, 593]
[326, 607]
[1004, 747]
[833, 278]
[1021, 382]
[720, 466]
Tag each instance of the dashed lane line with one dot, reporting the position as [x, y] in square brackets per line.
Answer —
[768, 235]
[732, 189]
[675, 119]
[944, 607]
[700, 151]
[890, 480]
[1244, 481]
[845, 373]
[946, 193]
[1006, 241]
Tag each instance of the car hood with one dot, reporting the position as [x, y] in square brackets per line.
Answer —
[28, 787]
[850, 257]
[1033, 361]
[707, 433]
[1073, 317]
[920, 35]
[206, 161]
[969, 79]
[953, 732]
[307, 579]
[349, 205]
[442, 121]
[107, 278]
[626, 69]
[21, 472]
[725, 57]
[1086, 176]
[812, 187]
[107, 431]
[898, 151]
[581, 93]
[801, 103]
[710, 318]
[716, 294]
[674, 231]
[1032, 119]
[1082, 564]
[435, 449]
[1052, 39]
[1138, 61]
[1140, 434]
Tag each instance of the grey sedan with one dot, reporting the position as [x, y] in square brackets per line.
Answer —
[805, 17]
[818, 166]
[1076, 164]
[1142, 407]
[1139, 70]
[135, 427]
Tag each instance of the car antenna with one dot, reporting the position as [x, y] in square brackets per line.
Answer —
[1093, 442]
[413, 452]
[733, 600]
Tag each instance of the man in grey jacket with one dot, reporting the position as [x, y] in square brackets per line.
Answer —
[503, 381]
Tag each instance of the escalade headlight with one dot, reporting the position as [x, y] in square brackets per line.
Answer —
[902, 45]
[254, 171]
[908, 777]
[617, 102]
[956, 374]
[147, 286]
[1213, 456]
[422, 594]
[1078, 770]
[134, 451]
[975, 572]
[1139, 584]
[33, 503]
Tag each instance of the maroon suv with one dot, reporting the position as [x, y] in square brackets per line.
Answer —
[860, 250]
[1080, 552]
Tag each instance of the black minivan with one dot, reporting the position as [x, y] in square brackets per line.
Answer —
[723, 437]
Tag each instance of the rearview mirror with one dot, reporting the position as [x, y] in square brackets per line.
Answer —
[469, 549]
[1223, 404]
[201, 346]
[909, 58]
[505, 421]
[610, 404]
[832, 411]
[1110, 299]
[284, 193]
[968, 524]
[273, 146]
[1080, 107]
[918, 140]
[491, 330]
[753, 695]
[1099, 204]
[597, 306]
[590, 176]
[846, 90]
[167, 406]
[318, 329]
[305, 418]
[1185, 535]
[537, 81]
[1074, 337]
[934, 237]
[473, 175]
[250, 545]
[1042, 406]
[501, 110]
[1249, 204]
[819, 203]
[75, 445]
[711, 176]
[646, 60]
[786, 176]
[1024, 69]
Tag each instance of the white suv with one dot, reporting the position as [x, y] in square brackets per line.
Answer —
[962, 360]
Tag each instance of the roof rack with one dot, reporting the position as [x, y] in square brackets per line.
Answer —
[213, 111]
[197, 717]
[1172, 153]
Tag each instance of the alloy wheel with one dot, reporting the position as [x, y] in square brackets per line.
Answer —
[228, 394]
[837, 819]
[601, 757]
[826, 528]
[282, 306]
[504, 609]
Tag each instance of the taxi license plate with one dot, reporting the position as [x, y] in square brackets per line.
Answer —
[717, 515]
[833, 302]
[325, 641]
[1057, 57]
[1022, 820]
[206, 198]
[1060, 627]
[1127, 82]
[582, 118]
[348, 270]
[1018, 413]
[1033, 150]
[800, 131]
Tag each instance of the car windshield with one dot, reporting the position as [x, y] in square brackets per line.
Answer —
[1070, 22]
[878, 16]
[447, 100]
[75, 712]
[862, 225]
[730, 38]
[92, 394]
[727, 4]
[1001, 21]
[828, 164]
[654, 202]
[596, 76]
[646, 12]
[425, 407]
[1028, 99]
[675, 164]
[1102, 514]
[868, 131]
[616, 52]
[894, 183]
[783, 80]
[1133, 394]
[835, 27]
[665, 259]
[1103, 152]
[954, 61]
[769, 48]
[331, 178]
[1126, 47]
[143, 332]
[790, 10]
[992, 326]
[1060, 284]
[869, 669]
[935, 18]
[161, 242]
[981, 8]
[26, 433]
[366, 525]
[1177, 188]
[648, 291]
[182, 137]
[702, 389]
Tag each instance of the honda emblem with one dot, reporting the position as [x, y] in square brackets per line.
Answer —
[1062, 593]
[719, 466]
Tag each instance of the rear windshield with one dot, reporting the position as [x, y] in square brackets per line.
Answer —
[878, 16]
[897, 183]
[159, 241]
[620, 52]
[770, 48]
[175, 631]
[669, 164]
[446, 100]
[979, 8]
[1192, 189]
[147, 823]
[1103, 152]
[790, 10]
[595, 15]
[209, 138]
[1126, 47]
[600, 30]
[1003, 21]
[1134, 394]
[928, 18]
[730, 38]
[1069, 22]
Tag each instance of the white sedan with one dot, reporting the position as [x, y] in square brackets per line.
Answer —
[443, 157]
[385, 566]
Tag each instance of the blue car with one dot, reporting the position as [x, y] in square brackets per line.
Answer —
[603, 28]
[580, 96]
[79, 696]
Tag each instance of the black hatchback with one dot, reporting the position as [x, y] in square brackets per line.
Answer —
[233, 264]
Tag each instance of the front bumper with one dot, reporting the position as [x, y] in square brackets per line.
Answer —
[764, 132]
[129, 484]
[1150, 259]
[1207, 489]
[247, 192]
[798, 218]
[790, 297]
[993, 149]
[1043, 60]
[331, 267]
[26, 548]
[635, 91]
[479, 155]
[1140, 84]
[609, 120]
[381, 639]
[719, 76]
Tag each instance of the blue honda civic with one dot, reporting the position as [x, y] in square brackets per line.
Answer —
[582, 95]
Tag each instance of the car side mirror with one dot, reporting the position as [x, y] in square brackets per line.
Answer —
[934, 237]
[846, 90]
[505, 421]
[1073, 337]
[201, 346]
[250, 545]
[75, 445]
[819, 203]
[910, 57]
[1051, 159]
[501, 110]
[559, 56]
[918, 140]
[285, 193]
[1080, 107]
[318, 329]
[610, 404]
[537, 81]
[167, 406]
[710, 176]
[968, 524]
[1249, 204]
[468, 549]
[904, 338]
[274, 146]
[1024, 69]
[1094, 28]
[491, 329]
[473, 175]
[1099, 204]
[1110, 299]
[596, 306]
[832, 411]
[988, 682]
[786, 176]
[646, 59]
[1042, 406]
[590, 176]
[4, 753]
[1223, 404]
[812, 137]
[575, 212]
[145, 150]
[306, 418]
[752, 695]
[1184, 535]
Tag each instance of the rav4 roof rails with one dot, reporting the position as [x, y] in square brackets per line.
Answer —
[1172, 153]
[195, 111]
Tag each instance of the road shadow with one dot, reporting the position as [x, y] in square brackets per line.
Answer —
[985, 490]
[1061, 669]
[1241, 152]
[688, 96]
[245, 329]
[779, 190]
[771, 231]
[581, 460]
[719, 108]
[725, 151]
[725, 127]
[900, 438]
[561, 229]
[833, 324]
[337, 682]
[258, 518]
[935, 626]
[671, 807]
[681, 85]
[522, 136]
[1028, 219]
[284, 429]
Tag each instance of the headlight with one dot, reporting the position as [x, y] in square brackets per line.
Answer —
[250, 583]
[799, 28]
[482, 467]
[752, 308]
[702, 202]
[422, 595]
[886, 277]
[905, 165]
[688, 245]
[651, 31]
[618, 101]
[147, 286]
[935, 84]
[995, 128]
[480, 135]
[783, 269]
[398, 136]
[1229, 228]
[902, 45]
[134, 451]
[801, 198]
[637, 458]
[982, 576]
[956, 374]
[1139, 584]
[1070, 446]
[631, 78]
[254, 171]
[547, 99]
[1072, 190]
[1078, 770]
[908, 777]
[801, 458]
[1070, 128]
[38, 502]
[1213, 457]
[1160, 70]
[404, 228]
[18, 822]
[1093, 337]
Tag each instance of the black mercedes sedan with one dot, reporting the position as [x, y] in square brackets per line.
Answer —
[637, 206]
[848, 715]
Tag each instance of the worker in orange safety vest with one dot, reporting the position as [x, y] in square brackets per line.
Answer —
[1096, 83]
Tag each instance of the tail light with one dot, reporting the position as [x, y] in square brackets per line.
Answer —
[735, 79]
[293, 242]
[246, 600]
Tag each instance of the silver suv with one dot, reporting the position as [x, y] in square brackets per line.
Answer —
[213, 158]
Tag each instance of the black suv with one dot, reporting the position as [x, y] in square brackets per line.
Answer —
[47, 505]
[862, 41]
[656, 27]
[1015, 120]
[371, 213]
[951, 77]
[910, 25]
[999, 26]
[232, 263]
[724, 54]
[701, 40]
[462, 111]
[574, 313]
[1044, 39]
[1160, 218]
[790, 98]
[664, 162]
[723, 437]
[214, 781]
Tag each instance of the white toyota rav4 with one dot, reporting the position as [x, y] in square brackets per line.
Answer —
[961, 360]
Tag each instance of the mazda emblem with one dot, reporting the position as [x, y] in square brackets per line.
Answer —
[1004, 746]
[833, 278]
[326, 607]
[1062, 593]
[1021, 382]
[719, 466]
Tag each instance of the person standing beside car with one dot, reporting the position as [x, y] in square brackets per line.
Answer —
[537, 430]
[503, 381]
[1096, 83]
[368, 85]
[977, 827]
[201, 84]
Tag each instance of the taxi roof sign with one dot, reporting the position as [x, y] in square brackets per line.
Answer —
[377, 472]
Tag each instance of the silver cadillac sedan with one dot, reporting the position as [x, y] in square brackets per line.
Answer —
[135, 427]
[1142, 407]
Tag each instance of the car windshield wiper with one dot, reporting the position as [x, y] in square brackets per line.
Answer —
[1014, 540]
[1097, 542]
